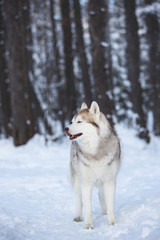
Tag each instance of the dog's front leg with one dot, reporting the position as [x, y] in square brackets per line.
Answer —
[109, 192]
[78, 195]
[87, 195]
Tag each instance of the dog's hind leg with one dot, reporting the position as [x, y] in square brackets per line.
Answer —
[102, 200]
[109, 192]
[78, 196]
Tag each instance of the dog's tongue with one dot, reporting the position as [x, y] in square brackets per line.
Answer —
[71, 137]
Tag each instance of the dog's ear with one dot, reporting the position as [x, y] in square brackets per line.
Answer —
[84, 106]
[94, 108]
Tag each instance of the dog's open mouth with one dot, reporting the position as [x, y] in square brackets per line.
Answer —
[71, 137]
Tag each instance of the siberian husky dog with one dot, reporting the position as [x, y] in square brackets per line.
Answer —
[95, 161]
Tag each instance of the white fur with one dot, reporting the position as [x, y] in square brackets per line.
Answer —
[95, 160]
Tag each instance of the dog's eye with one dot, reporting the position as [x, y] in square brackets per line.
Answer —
[79, 122]
[71, 122]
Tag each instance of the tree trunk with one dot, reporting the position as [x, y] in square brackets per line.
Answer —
[70, 94]
[133, 60]
[61, 95]
[153, 37]
[18, 26]
[97, 28]
[85, 78]
[4, 84]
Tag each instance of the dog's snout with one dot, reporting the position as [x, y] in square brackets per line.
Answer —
[66, 129]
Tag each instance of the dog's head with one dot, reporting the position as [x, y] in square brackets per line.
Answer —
[85, 123]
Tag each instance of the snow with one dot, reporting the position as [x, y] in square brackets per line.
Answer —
[92, 13]
[104, 44]
[37, 201]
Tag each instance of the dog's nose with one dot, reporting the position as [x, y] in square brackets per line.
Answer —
[66, 129]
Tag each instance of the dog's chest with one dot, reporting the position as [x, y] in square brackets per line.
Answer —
[94, 171]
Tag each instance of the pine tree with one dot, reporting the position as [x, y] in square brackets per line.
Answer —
[4, 84]
[19, 70]
[133, 66]
[153, 37]
[80, 47]
[70, 91]
[97, 27]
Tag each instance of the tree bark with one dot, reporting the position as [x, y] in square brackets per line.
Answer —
[153, 37]
[85, 78]
[18, 26]
[4, 84]
[133, 60]
[70, 92]
[61, 95]
[97, 27]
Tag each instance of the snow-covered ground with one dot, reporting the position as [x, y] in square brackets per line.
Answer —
[37, 202]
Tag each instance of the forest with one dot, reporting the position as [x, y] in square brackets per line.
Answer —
[57, 54]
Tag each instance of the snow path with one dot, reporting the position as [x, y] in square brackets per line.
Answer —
[37, 202]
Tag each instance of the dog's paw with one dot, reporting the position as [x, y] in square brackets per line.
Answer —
[104, 213]
[111, 222]
[77, 219]
[89, 226]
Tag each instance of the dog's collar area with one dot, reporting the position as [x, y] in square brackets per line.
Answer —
[74, 136]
